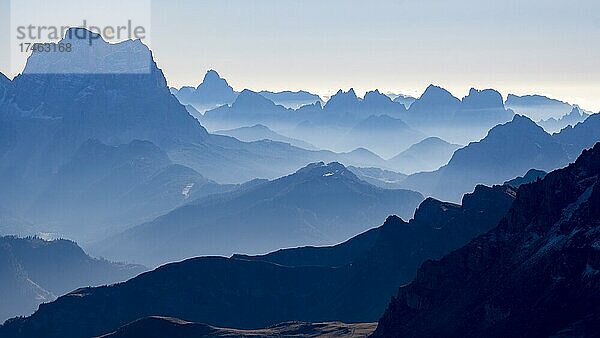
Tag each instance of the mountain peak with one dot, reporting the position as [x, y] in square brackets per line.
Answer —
[434, 91]
[249, 99]
[483, 99]
[211, 75]
[343, 100]
[330, 170]
[436, 97]
[93, 55]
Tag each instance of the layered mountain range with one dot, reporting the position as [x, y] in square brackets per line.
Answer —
[509, 150]
[320, 204]
[350, 282]
[115, 111]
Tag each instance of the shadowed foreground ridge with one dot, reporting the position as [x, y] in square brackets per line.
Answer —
[536, 275]
[159, 327]
[350, 282]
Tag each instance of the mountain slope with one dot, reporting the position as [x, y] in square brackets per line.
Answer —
[106, 185]
[426, 155]
[378, 177]
[382, 134]
[535, 275]
[553, 125]
[260, 132]
[319, 204]
[160, 327]
[438, 112]
[506, 152]
[350, 282]
[33, 271]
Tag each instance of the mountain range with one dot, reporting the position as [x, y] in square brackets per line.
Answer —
[33, 271]
[260, 132]
[291, 99]
[350, 282]
[426, 155]
[536, 274]
[553, 125]
[320, 204]
[537, 107]
[509, 150]
[127, 122]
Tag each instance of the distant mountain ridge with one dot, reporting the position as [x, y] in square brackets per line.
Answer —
[507, 151]
[571, 119]
[298, 209]
[426, 155]
[537, 107]
[212, 92]
[260, 132]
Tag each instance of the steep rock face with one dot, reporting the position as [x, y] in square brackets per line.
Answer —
[350, 282]
[536, 274]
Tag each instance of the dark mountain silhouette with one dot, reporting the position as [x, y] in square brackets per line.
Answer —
[291, 99]
[213, 92]
[260, 132]
[426, 155]
[379, 177]
[33, 271]
[319, 204]
[537, 107]
[350, 282]
[406, 100]
[536, 274]
[382, 134]
[160, 327]
[531, 176]
[506, 152]
[552, 125]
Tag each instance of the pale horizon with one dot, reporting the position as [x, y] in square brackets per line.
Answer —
[518, 47]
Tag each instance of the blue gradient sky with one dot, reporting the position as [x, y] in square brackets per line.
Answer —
[547, 47]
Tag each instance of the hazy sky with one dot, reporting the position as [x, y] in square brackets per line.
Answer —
[547, 47]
